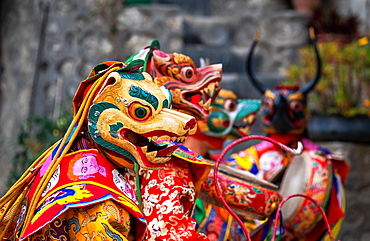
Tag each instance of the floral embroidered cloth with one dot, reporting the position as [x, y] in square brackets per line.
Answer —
[107, 220]
[88, 198]
[169, 195]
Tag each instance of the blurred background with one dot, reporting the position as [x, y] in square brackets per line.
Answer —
[48, 47]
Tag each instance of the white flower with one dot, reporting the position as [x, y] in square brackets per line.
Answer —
[157, 228]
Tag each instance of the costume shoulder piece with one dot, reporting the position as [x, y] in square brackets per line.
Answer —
[83, 178]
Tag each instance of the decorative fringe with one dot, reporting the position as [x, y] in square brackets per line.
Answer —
[11, 202]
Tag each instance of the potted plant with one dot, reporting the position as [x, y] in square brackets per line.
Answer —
[330, 25]
[343, 91]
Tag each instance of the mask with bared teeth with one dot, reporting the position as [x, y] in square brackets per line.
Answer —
[129, 112]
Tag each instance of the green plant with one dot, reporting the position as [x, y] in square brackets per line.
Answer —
[36, 135]
[344, 86]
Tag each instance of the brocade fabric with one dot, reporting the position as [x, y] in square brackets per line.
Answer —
[107, 221]
[168, 196]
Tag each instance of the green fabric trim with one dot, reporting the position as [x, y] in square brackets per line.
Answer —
[200, 211]
[138, 186]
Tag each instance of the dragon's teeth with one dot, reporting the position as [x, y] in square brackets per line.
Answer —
[151, 155]
[167, 138]
[211, 88]
[181, 139]
[207, 104]
[206, 90]
[162, 159]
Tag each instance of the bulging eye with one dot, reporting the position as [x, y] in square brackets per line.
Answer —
[139, 112]
[267, 104]
[230, 104]
[267, 107]
[296, 106]
[187, 73]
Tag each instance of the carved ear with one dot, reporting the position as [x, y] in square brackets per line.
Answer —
[111, 79]
[147, 76]
[161, 56]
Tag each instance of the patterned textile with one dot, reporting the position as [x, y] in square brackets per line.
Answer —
[72, 192]
[75, 206]
[86, 196]
[217, 223]
[265, 160]
[169, 194]
[102, 221]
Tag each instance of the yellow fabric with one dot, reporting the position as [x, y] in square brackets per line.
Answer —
[102, 221]
[208, 211]
[229, 221]
[248, 159]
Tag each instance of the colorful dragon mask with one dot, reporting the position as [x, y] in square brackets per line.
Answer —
[193, 89]
[230, 118]
[284, 108]
[128, 113]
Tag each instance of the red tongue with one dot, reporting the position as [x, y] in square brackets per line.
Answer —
[195, 99]
[167, 151]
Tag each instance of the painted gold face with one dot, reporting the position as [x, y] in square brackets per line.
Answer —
[130, 112]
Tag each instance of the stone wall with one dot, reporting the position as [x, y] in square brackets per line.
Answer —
[19, 48]
[49, 46]
[80, 34]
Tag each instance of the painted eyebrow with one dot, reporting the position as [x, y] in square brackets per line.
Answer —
[136, 91]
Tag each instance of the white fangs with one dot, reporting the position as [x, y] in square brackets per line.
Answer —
[248, 118]
[153, 156]
[179, 139]
[150, 155]
[244, 130]
[206, 105]
[210, 89]
[161, 159]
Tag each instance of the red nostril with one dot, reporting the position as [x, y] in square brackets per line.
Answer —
[226, 123]
[190, 124]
